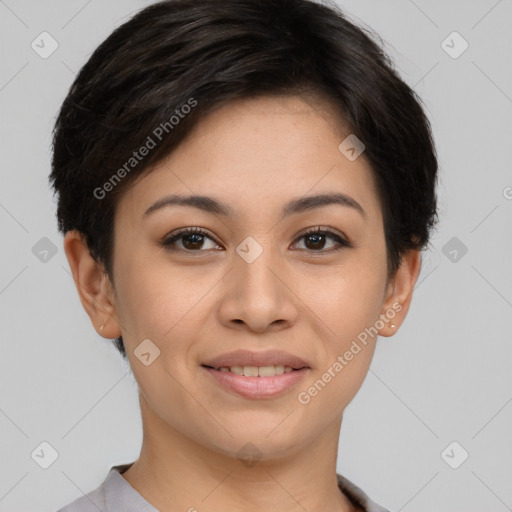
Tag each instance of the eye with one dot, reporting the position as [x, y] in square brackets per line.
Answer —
[190, 239]
[315, 240]
[196, 239]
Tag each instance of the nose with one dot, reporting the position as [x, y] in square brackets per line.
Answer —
[257, 296]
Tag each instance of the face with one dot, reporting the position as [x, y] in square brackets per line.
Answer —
[280, 278]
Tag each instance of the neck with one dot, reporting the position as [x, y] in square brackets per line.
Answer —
[174, 472]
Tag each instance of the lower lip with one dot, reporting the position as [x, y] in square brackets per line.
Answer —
[257, 387]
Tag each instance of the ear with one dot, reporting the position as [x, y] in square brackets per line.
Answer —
[399, 292]
[93, 285]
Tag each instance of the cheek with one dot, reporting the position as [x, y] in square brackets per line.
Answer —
[348, 301]
[349, 298]
[349, 304]
[353, 307]
[165, 308]
[163, 303]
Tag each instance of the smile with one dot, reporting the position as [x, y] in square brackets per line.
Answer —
[256, 371]
[255, 382]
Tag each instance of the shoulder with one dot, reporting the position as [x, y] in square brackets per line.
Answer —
[357, 496]
[114, 493]
[93, 501]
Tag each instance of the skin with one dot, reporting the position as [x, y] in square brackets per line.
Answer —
[254, 155]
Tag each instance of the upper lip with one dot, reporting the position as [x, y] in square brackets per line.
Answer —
[253, 358]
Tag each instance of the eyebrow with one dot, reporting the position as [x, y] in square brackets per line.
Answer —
[295, 206]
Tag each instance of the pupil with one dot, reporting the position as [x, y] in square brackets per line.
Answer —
[197, 240]
[317, 239]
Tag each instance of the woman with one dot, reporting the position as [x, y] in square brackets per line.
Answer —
[245, 188]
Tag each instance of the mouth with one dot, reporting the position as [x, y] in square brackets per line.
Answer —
[255, 371]
[252, 363]
[255, 375]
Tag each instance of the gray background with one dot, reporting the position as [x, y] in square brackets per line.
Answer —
[446, 375]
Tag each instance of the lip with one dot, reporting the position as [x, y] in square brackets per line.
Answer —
[256, 387]
[254, 358]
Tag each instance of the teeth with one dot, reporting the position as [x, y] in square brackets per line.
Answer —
[239, 370]
[251, 371]
[257, 371]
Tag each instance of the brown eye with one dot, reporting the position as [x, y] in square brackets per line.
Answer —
[315, 240]
[190, 240]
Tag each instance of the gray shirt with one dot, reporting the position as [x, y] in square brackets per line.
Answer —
[115, 494]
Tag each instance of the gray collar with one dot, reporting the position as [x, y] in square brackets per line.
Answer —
[116, 494]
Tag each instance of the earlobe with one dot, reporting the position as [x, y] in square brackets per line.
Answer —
[399, 292]
[93, 285]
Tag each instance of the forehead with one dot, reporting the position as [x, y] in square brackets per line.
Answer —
[259, 153]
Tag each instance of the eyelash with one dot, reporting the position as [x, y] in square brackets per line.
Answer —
[343, 243]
